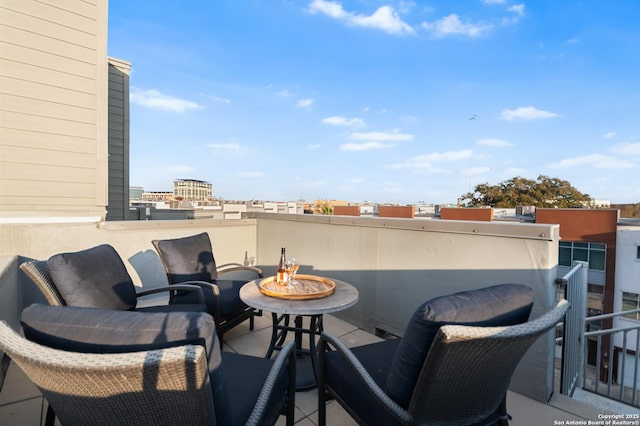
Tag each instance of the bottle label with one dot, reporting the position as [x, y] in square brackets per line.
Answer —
[282, 278]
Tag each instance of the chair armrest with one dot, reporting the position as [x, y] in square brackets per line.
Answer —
[211, 294]
[173, 287]
[363, 375]
[284, 362]
[229, 267]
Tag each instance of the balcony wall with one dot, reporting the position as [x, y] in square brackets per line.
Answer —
[132, 239]
[398, 263]
[395, 263]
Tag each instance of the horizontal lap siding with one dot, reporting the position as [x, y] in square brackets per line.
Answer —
[51, 113]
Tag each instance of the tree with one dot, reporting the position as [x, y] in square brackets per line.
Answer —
[323, 207]
[518, 191]
[628, 210]
[326, 209]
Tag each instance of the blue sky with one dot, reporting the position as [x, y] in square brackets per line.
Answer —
[385, 101]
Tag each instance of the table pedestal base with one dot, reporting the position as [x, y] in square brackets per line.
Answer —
[306, 357]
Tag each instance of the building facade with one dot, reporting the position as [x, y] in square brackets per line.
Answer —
[54, 111]
[118, 128]
[588, 235]
[192, 190]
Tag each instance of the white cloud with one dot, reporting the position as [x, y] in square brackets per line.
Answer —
[425, 162]
[366, 146]
[464, 154]
[573, 40]
[225, 146]
[597, 161]
[220, 100]
[156, 100]
[609, 135]
[304, 103]
[337, 120]
[406, 6]
[329, 8]
[627, 148]
[526, 113]
[494, 142]
[517, 12]
[518, 9]
[475, 171]
[385, 18]
[452, 25]
[382, 136]
[314, 146]
[284, 93]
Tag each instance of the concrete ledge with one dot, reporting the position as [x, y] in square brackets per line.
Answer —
[547, 232]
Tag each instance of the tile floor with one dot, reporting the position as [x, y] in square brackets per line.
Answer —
[255, 343]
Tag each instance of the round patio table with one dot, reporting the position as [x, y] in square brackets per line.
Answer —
[344, 296]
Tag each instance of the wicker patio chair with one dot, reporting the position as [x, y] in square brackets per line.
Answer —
[97, 277]
[191, 259]
[463, 380]
[104, 367]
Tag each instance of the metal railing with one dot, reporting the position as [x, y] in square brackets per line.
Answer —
[575, 282]
[616, 376]
[612, 370]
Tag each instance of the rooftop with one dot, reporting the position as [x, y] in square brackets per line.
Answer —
[394, 263]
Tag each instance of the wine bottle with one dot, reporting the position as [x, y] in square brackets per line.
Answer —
[281, 275]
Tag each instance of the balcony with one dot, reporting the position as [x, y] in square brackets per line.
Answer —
[395, 264]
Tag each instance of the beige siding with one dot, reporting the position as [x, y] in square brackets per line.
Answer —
[53, 108]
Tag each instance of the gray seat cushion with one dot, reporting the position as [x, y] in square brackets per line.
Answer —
[499, 305]
[230, 302]
[245, 376]
[93, 278]
[189, 258]
[92, 330]
[376, 359]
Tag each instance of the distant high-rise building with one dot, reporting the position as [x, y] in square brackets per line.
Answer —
[192, 190]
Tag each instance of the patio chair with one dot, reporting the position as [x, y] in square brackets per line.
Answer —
[191, 259]
[97, 278]
[397, 381]
[103, 367]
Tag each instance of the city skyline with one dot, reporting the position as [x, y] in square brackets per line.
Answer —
[386, 101]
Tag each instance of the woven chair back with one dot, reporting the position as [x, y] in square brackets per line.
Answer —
[166, 386]
[468, 369]
[38, 272]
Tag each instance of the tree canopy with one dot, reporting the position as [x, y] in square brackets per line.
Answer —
[518, 191]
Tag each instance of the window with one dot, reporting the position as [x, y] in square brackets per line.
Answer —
[631, 301]
[593, 253]
[595, 288]
[637, 252]
[565, 254]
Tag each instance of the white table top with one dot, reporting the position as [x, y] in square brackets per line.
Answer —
[344, 296]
